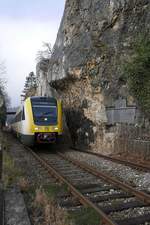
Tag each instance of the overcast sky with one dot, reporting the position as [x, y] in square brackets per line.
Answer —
[24, 25]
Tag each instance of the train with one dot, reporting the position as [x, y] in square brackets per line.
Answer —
[38, 121]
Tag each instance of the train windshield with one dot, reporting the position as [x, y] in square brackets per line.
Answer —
[44, 113]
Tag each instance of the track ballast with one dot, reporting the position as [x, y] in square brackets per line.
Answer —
[90, 187]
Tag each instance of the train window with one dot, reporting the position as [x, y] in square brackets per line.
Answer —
[44, 101]
[44, 110]
[45, 114]
[23, 114]
[18, 117]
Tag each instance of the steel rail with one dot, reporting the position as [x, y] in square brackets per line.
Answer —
[115, 159]
[126, 187]
[82, 199]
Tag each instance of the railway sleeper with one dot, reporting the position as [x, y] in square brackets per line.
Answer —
[84, 191]
[76, 180]
[134, 220]
[97, 199]
[69, 171]
[93, 185]
[95, 190]
[122, 206]
[74, 172]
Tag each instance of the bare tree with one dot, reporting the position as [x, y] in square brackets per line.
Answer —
[7, 100]
[3, 72]
[45, 53]
[3, 82]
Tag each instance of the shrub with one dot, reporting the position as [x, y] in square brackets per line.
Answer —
[137, 73]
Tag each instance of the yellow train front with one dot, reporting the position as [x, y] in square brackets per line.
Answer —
[38, 120]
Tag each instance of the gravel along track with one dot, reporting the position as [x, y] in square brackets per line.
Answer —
[95, 189]
[119, 205]
[24, 170]
[125, 173]
[27, 166]
[138, 164]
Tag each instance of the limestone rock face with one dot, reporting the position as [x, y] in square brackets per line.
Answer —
[44, 89]
[94, 40]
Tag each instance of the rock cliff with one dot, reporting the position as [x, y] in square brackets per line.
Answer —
[94, 41]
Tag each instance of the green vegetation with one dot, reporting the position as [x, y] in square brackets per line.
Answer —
[137, 73]
[86, 216]
[45, 202]
[11, 173]
[53, 190]
[31, 82]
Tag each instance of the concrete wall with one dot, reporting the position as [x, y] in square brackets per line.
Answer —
[122, 113]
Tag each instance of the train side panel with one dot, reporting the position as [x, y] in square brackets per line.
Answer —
[27, 136]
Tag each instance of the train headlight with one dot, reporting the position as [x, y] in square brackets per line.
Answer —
[56, 128]
[36, 128]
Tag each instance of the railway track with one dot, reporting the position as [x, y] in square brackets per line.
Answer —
[109, 197]
[144, 166]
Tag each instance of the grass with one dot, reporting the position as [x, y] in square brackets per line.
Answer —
[11, 174]
[86, 216]
[54, 189]
[52, 213]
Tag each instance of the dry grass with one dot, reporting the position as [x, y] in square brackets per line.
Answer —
[52, 214]
[23, 184]
[55, 215]
[40, 198]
